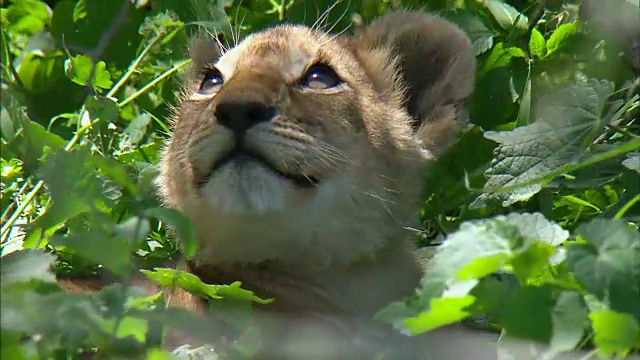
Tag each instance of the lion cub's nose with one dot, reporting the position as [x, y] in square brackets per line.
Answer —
[238, 116]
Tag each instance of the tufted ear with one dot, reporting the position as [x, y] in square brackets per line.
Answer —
[430, 63]
[205, 49]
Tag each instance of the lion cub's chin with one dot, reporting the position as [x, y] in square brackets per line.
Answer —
[249, 187]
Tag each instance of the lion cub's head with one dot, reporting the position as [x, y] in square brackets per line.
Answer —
[300, 146]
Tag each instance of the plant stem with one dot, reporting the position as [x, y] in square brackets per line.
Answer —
[152, 83]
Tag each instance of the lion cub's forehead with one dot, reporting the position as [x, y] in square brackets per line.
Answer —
[287, 49]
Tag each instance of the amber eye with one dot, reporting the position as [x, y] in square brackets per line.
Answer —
[212, 80]
[320, 77]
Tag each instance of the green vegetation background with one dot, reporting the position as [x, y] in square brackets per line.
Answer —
[538, 202]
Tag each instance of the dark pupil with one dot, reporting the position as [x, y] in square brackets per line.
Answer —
[321, 78]
[211, 80]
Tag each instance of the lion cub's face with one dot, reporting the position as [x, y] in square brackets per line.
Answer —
[289, 139]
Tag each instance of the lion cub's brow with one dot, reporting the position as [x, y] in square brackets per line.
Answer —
[287, 50]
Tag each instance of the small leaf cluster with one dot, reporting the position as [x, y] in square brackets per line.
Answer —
[533, 213]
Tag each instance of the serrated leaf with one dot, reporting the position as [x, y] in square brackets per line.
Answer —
[566, 121]
[26, 265]
[569, 317]
[507, 16]
[537, 44]
[608, 266]
[137, 128]
[632, 162]
[560, 37]
[80, 69]
[181, 223]
[176, 278]
[615, 332]
[39, 71]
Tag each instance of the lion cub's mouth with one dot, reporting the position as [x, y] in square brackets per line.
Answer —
[240, 155]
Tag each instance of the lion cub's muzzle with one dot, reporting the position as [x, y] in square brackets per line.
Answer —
[240, 109]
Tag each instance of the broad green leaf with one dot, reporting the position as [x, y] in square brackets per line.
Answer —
[100, 107]
[137, 128]
[481, 37]
[535, 322]
[560, 37]
[501, 57]
[632, 162]
[39, 71]
[25, 265]
[608, 265]
[567, 119]
[477, 249]
[27, 16]
[134, 229]
[99, 247]
[615, 333]
[507, 16]
[444, 311]
[181, 223]
[80, 69]
[187, 281]
[70, 178]
[537, 44]
[128, 326]
[569, 317]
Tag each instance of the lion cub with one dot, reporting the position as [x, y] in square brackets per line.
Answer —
[299, 156]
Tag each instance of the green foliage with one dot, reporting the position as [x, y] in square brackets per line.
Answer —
[538, 202]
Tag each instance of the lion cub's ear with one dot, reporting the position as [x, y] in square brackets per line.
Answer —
[429, 63]
[205, 50]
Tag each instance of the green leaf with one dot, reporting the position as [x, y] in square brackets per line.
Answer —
[477, 249]
[26, 265]
[569, 317]
[187, 281]
[537, 44]
[38, 72]
[481, 37]
[536, 322]
[100, 107]
[632, 162]
[567, 119]
[507, 16]
[501, 57]
[181, 223]
[27, 16]
[615, 332]
[608, 266]
[70, 179]
[128, 326]
[443, 312]
[79, 11]
[560, 37]
[81, 71]
[524, 113]
[99, 247]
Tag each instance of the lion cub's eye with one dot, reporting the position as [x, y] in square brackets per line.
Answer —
[320, 77]
[212, 79]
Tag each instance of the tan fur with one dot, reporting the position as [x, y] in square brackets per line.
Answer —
[343, 246]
